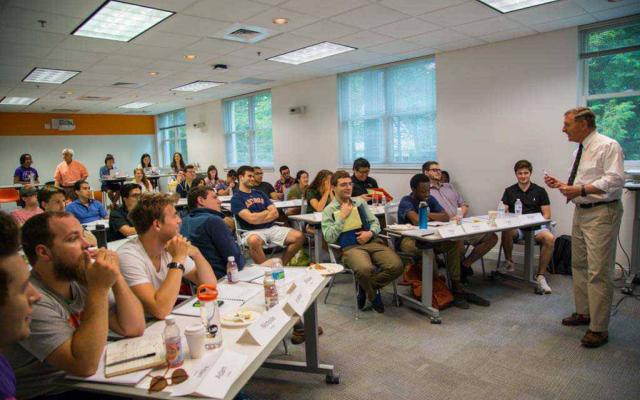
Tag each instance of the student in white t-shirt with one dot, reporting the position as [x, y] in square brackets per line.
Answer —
[154, 263]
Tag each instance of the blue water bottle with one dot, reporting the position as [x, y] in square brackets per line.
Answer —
[423, 215]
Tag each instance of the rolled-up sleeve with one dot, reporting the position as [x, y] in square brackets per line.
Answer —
[613, 177]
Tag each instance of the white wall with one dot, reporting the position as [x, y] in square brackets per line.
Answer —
[89, 149]
[497, 103]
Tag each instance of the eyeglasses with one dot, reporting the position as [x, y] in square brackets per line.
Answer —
[158, 383]
[345, 184]
[435, 169]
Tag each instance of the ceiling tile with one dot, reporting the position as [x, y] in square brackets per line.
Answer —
[28, 19]
[325, 30]
[80, 43]
[168, 5]
[225, 10]
[166, 39]
[18, 50]
[296, 19]
[324, 8]
[369, 16]
[600, 5]
[194, 26]
[617, 12]
[487, 26]
[143, 51]
[564, 23]
[406, 27]
[432, 39]
[506, 35]
[397, 46]
[364, 39]
[30, 37]
[547, 13]
[73, 8]
[23, 62]
[460, 44]
[111, 69]
[80, 56]
[417, 7]
[115, 59]
[216, 46]
[271, 2]
[251, 53]
[460, 14]
[288, 41]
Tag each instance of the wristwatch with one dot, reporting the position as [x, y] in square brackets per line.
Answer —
[583, 192]
[175, 265]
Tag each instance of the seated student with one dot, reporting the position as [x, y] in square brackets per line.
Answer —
[229, 186]
[262, 186]
[177, 163]
[450, 200]
[81, 301]
[284, 183]
[352, 225]
[205, 227]
[408, 214]
[145, 162]
[212, 178]
[25, 173]
[52, 199]
[68, 172]
[255, 213]
[300, 186]
[140, 179]
[362, 182]
[534, 200]
[111, 188]
[29, 195]
[120, 225]
[198, 181]
[84, 207]
[445, 177]
[155, 262]
[184, 185]
[17, 297]
[319, 193]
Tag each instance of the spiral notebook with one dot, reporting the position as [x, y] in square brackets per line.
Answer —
[130, 355]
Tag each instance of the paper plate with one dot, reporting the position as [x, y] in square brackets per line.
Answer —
[244, 316]
[327, 268]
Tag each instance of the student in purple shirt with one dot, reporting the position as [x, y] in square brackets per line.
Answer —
[25, 171]
[17, 295]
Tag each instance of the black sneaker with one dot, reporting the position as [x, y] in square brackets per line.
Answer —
[377, 304]
[460, 302]
[362, 297]
[475, 299]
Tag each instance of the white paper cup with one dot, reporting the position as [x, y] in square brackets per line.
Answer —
[195, 335]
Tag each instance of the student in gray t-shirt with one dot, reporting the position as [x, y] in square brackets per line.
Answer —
[70, 323]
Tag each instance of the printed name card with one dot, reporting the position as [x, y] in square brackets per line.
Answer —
[507, 222]
[447, 231]
[264, 329]
[298, 299]
[309, 281]
[475, 227]
[213, 379]
[531, 218]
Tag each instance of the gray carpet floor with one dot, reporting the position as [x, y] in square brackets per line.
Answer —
[514, 349]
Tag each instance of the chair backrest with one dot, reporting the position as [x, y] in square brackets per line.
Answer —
[97, 195]
[9, 195]
[238, 232]
[303, 207]
[391, 214]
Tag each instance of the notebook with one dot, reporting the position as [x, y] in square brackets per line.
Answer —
[130, 355]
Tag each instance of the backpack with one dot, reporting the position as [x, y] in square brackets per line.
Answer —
[561, 259]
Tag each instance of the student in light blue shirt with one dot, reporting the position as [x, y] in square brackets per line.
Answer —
[84, 208]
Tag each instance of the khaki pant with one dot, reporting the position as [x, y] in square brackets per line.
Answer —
[593, 253]
[408, 245]
[374, 264]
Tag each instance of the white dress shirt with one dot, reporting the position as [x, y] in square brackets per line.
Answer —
[602, 165]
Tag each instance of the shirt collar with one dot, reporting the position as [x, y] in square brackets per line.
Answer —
[590, 138]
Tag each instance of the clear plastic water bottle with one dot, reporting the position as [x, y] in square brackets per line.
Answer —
[31, 179]
[277, 273]
[518, 207]
[423, 215]
[501, 209]
[210, 315]
[270, 291]
[232, 270]
[173, 343]
[383, 200]
[459, 215]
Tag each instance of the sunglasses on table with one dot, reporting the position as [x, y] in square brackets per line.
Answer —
[160, 382]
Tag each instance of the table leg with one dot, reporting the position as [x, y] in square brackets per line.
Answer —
[528, 257]
[317, 249]
[634, 268]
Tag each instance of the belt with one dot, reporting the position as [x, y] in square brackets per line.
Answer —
[599, 203]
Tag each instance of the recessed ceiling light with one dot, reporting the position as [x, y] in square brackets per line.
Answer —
[153, 73]
[68, 93]
[46, 75]
[280, 21]
[190, 57]
[135, 104]
[116, 20]
[505, 6]
[17, 101]
[197, 86]
[311, 53]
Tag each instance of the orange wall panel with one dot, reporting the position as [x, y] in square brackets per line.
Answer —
[31, 124]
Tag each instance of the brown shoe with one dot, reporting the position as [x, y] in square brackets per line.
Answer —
[576, 319]
[593, 339]
[297, 337]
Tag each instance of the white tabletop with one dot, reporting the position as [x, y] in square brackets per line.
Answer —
[632, 185]
[92, 225]
[20, 185]
[316, 217]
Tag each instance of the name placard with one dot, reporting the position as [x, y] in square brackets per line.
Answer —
[298, 299]
[475, 227]
[450, 230]
[214, 380]
[264, 329]
[507, 222]
[531, 218]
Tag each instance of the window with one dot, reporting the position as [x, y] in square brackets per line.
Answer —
[388, 114]
[247, 128]
[172, 135]
[611, 81]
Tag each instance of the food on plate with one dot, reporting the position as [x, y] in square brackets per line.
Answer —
[319, 267]
[240, 316]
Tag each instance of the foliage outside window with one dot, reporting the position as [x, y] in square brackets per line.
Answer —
[611, 81]
[172, 135]
[248, 133]
[388, 114]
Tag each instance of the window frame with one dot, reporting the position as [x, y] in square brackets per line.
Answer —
[583, 69]
[387, 119]
[162, 140]
[250, 132]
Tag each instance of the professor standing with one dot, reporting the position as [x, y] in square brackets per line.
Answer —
[595, 187]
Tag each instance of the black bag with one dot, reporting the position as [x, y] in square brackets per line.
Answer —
[561, 259]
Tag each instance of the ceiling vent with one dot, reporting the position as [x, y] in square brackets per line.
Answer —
[65, 110]
[94, 98]
[246, 33]
[252, 81]
[127, 85]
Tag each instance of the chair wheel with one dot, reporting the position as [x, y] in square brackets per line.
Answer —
[436, 321]
[332, 379]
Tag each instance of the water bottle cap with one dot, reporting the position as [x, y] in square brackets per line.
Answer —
[207, 292]
[231, 258]
[169, 319]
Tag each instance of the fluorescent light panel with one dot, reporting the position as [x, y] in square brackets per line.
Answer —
[311, 53]
[135, 105]
[197, 86]
[46, 75]
[119, 21]
[17, 101]
[505, 6]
